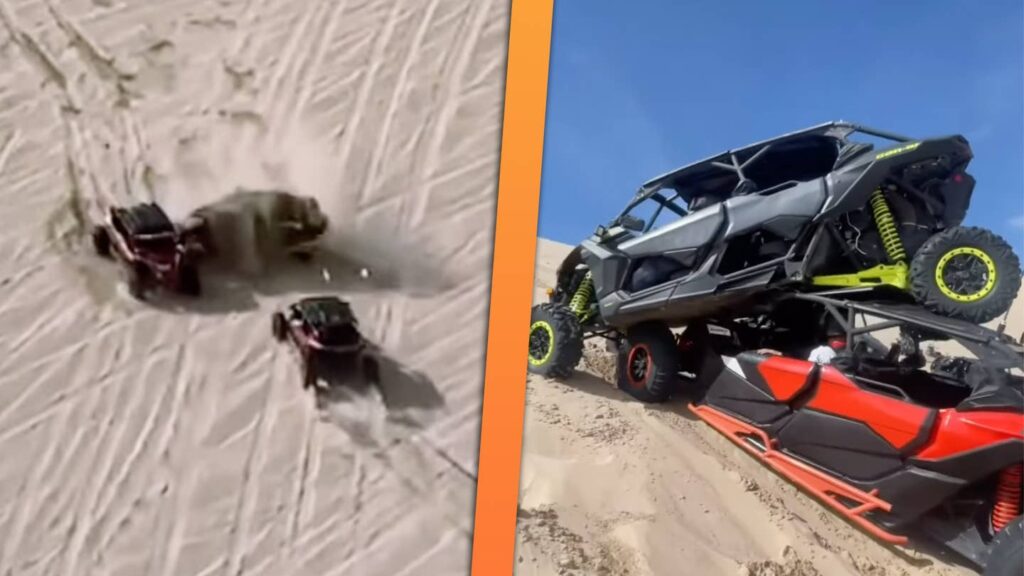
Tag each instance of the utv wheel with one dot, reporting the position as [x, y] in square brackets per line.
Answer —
[556, 341]
[101, 241]
[1006, 556]
[648, 362]
[188, 281]
[371, 369]
[303, 256]
[967, 273]
[279, 326]
[309, 373]
[135, 277]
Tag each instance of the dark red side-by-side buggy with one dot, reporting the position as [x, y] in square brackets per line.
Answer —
[324, 330]
[152, 251]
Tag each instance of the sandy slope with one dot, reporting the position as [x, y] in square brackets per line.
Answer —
[609, 485]
[174, 439]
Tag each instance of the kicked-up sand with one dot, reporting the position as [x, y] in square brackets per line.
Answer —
[173, 437]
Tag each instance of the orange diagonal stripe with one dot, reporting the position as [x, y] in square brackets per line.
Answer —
[515, 240]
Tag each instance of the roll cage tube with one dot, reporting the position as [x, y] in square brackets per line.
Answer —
[839, 130]
[663, 202]
[651, 189]
[987, 345]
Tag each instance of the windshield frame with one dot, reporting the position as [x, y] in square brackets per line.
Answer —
[670, 202]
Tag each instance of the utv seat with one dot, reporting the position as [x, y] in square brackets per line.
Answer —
[993, 390]
[915, 386]
[654, 271]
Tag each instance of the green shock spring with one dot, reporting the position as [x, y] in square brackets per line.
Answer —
[580, 303]
[886, 224]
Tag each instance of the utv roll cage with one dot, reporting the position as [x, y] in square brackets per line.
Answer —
[325, 312]
[143, 221]
[744, 170]
[993, 347]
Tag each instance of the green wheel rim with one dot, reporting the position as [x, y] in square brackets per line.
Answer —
[542, 342]
[965, 274]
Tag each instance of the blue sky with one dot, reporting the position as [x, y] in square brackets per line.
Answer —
[638, 88]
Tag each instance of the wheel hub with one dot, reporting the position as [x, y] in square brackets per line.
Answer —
[965, 274]
[542, 339]
[638, 363]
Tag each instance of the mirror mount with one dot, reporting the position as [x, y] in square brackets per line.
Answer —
[631, 223]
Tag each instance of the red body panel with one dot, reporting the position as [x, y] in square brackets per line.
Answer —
[897, 421]
[959, 432]
[785, 376]
[827, 488]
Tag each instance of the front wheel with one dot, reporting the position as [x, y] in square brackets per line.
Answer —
[279, 326]
[556, 341]
[188, 280]
[967, 273]
[370, 368]
[309, 375]
[648, 362]
[136, 278]
[101, 241]
[1007, 551]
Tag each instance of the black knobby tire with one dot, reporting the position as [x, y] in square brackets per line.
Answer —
[101, 241]
[1006, 551]
[648, 362]
[556, 341]
[309, 376]
[370, 367]
[188, 280]
[279, 326]
[963, 256]
[136, 278]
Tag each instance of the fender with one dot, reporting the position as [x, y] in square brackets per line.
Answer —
[959, 433]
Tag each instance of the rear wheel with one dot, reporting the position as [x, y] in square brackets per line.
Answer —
[101, 241]
[279, 326]
[648, 363]
[371, 369]
[1007, 551]
[967, 273]
[135, 277]
[556, 341]
[309, 372]
[188, 280]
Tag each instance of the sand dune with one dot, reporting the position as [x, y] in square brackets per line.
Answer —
[174, 438]
[609, 485]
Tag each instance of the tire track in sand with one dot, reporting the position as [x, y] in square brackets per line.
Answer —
[452, 100]
[8, 148]
[397, 93]
[250, 489]
[290, 111]
[349, 132]
[38, 57]
[119, 517]
[303, 496]
[287, 61]
[25, 502]
[411, 216]
[173, 529]
[102, 460]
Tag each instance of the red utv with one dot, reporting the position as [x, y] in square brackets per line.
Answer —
[150, 248]
[892, 447]
[322, 329]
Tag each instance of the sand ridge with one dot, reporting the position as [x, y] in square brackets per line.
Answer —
[613, 486]
[173, 438]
